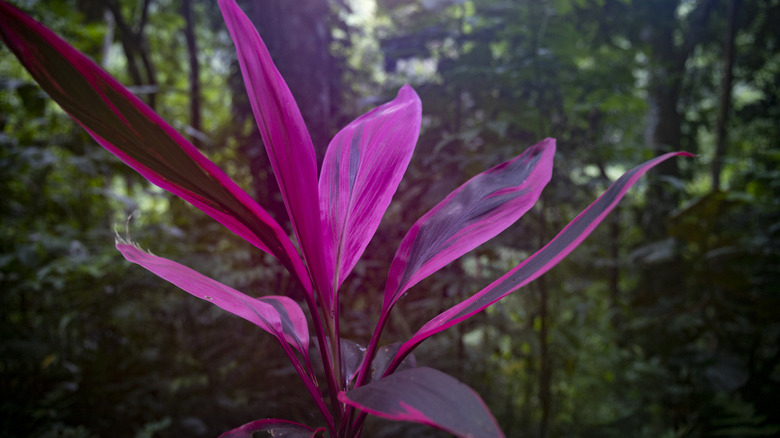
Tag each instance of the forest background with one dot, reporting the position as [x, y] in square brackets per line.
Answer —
[664, 323]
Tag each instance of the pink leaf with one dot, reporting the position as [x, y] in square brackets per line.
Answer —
[427, 396]
[474, 213]
[362, 169]
[286, 140]
[128, 128]
[277, 315]
[541, 261]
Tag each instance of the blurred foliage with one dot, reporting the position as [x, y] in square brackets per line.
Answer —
[642, 334]
[90, 346]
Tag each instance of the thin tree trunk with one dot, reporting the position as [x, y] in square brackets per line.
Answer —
[192, 55]
[725, 94]
[668, 57]
[545, 362]
[108, 39]
[135, 49]
[298, 37]
[669, 54]
[613, 279]
[126, 39]
[143, 54]
[545, 368]
[543, 115]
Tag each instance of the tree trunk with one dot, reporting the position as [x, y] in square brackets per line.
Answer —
[671, 41]
[725, 94]
[297, 35]
[671, 45]
[664, 119]
[545, 359]
[545, 365]
[135, 48]
[192, 56]
[108, 39]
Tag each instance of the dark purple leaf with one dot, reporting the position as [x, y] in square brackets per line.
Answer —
[383, 358]
[128, 128]
[427, 396]
[351, 357]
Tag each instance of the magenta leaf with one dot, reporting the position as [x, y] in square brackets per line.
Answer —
[427, 396]
[279, 316]
[541, 261]
[286, 140]
[362, 169]
[272, 428]
[472, 214]
[128, 128]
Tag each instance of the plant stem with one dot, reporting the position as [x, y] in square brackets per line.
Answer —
[365, 366]
[335, 335]
[311, 386]
[326, 358]
[336, 356]
[394, 364]
[371, 350]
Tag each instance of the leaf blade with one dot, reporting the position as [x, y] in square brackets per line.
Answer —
[541, 261]
[363, 166]
[427, 396]
[128, 128]
[286, 141]
[277, 315]
[472, 214]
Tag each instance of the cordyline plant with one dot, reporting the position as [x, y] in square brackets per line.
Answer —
[333, 218]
